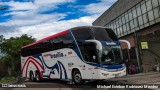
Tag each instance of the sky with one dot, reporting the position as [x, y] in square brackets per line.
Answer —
[42, 18]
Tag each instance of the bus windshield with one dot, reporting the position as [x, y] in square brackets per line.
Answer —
[111, 55]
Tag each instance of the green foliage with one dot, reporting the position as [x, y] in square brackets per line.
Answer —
[7, 79]
[12, 49]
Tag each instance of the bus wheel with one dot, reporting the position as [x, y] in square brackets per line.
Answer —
[77, 78]
[38, 79]
[32, 76]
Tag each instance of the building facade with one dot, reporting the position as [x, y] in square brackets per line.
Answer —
[137, 21]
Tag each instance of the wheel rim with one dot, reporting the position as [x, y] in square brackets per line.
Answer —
[37, 77]
[77, 77]
[32, 77]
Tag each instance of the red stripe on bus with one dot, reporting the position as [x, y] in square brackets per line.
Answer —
[33, 60]
[96, 68]
[35, 66]
[47, 38]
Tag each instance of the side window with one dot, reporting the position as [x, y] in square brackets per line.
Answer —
[89, 52]
[64, 41]
[67, 41]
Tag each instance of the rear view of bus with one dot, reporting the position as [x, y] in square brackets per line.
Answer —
[101, 51]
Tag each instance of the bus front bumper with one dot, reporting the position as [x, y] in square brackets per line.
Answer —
[104, 74]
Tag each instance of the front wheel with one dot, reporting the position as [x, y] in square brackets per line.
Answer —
[77, 78]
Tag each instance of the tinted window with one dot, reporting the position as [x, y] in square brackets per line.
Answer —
[60, 42]
[83, 33]
[104, 34]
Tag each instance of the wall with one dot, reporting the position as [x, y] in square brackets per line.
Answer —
[114, 11]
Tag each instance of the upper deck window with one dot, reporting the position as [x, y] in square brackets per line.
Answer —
[83, 33]
[104, 34]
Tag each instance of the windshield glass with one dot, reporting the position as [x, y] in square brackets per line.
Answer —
[104, 34]
[111, 55]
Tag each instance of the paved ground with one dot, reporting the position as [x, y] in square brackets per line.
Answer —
[141, 78]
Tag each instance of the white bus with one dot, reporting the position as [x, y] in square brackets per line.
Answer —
[78, 54]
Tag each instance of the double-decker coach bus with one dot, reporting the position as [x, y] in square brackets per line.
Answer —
[78, 54]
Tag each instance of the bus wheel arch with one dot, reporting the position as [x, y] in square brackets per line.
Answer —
[77, 76]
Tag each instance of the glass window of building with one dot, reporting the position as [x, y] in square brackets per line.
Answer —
[120, 21]
[127, 26]
[159, 1]
[145, 18]
[111, 25]
[123, 19]
[117, 24]
[156, 14]
[114, 24]
[149, 5]
[126, 17]
[135, 22]
[115, 31]
[150, 15]
[130, 15]
[140, 21]
[131, 24]
[154, 3]
[134, 13]
[139, 11]
[143, 7]
[124, 28]
[118, 31]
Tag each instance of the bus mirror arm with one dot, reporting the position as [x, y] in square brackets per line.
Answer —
[127, 42]
[98, 46]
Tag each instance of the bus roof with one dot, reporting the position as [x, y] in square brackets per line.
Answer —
[47, 38]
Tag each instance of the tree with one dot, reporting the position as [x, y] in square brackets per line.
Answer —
[12, 49]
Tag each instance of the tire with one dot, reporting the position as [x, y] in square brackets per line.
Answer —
[77, 78]
[32, 76]
[38, 79]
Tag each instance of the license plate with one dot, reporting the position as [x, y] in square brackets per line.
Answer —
[117, 75]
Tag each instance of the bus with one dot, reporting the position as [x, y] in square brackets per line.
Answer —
[78, 54]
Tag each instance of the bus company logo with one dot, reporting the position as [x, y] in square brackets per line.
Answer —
[110, 43]
[58, 54]
[70, 52]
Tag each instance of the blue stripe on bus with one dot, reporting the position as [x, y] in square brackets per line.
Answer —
[77, 50]
[107, 66]
[65, 73]
[56, 66]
